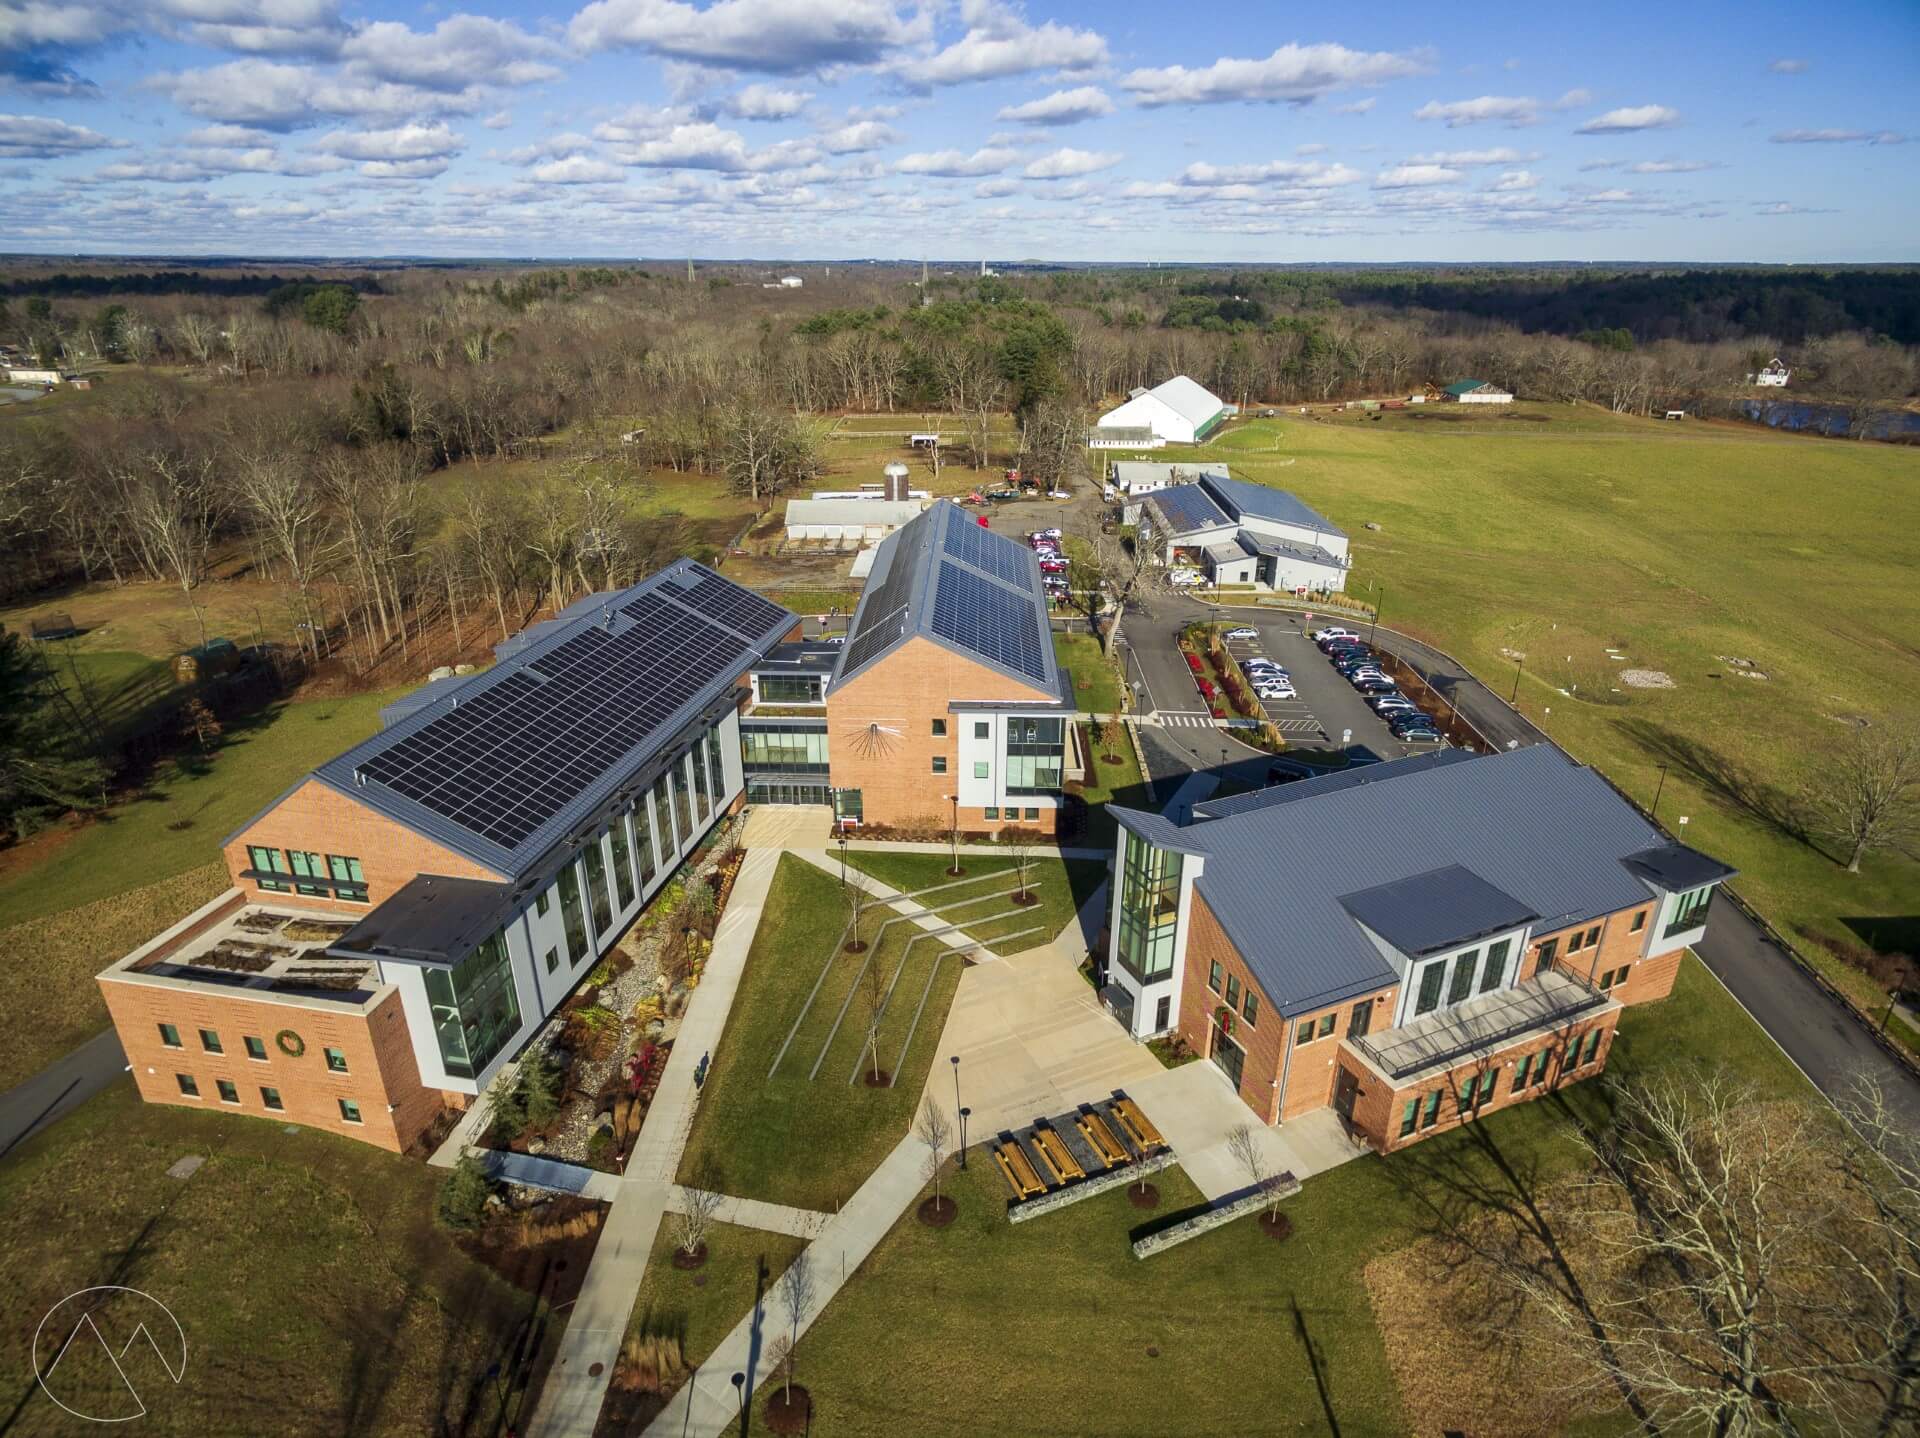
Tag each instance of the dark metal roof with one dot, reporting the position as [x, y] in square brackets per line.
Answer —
[1185, 508]
[1529, 822]
[431, 920]
[803, 658]
[1677, 868]
[1440, 909]
[946, 578]
[1253, 542]
[1241, 499]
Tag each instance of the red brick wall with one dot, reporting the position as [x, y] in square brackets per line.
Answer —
[320, 818]
[905, 693]
[1264, 1041]
[1314, 1067]
[1618, 949]
[379, 1056]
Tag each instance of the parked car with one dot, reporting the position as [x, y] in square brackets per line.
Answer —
[1392, 702]
[1243, 632]
[1404, 724]
[1044, 534]
[1274, 691]
[1183, 578]
[1381, 685]
[1332, 632]
[1347, 668]
[1265, 671]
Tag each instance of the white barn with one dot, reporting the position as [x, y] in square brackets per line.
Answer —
[1477, 391]
[848, 521]
[1178, 411]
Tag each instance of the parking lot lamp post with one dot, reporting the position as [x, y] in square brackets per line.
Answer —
[1657, 788]
[740, 1392]
[967, 1113]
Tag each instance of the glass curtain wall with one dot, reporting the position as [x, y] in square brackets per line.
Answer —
[643, 840]
[1149, 909]
[573, 915]
[597, 886]
[663, 823]
[682, 806]
[716, 766]
[622, 863]
[702, 804]
[1034, 750]
[475, 1008]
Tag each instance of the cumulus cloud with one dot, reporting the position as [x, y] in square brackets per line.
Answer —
[765, 102]
[40, 137]
[1514, 180]
[779, 37]
[1295, 74]
[1669, 167]
[996, 189]
[1838, 137]
[1065, 163]
[696, 146]
[576, 170]
[1062, 107]
[402, 142]
[1409, 177]
[956, 163]
[498, 120]
[858, 138]
[1629, 118]
[1473, 159]
[279, 96]
[1000, 42]
[1357, 107]
[1513, 111]
[459, 52]
[1788, 67]
[1311, 174]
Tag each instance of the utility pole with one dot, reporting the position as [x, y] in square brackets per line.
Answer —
[689, 269]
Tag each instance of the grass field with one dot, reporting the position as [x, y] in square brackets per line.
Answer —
[1071, 1315]
[1095, 689]
[1106, 783]
[1557, 531]
[316, 1295]
[1061, 886]
[742, 1263]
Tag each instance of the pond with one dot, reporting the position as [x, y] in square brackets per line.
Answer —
[1830, 419]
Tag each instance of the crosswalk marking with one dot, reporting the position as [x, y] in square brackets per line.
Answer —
[1183, 719]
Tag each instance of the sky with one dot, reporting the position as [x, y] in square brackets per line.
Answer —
[962, 130]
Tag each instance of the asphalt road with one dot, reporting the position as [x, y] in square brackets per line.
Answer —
[59, 1088]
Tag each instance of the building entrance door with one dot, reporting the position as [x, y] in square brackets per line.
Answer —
[1346, 1088]
[1230, 1056]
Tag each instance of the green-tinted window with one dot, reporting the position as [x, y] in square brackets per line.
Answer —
[256, 1049]
[1690, 912]
[848, 805]
[1304, 1033]
[663, 824]
[229, 1093]
[1463, 970]
[1431, 978]
[271, 1098]
[991, 811]
[1250, 1011]
[1521, 1070]
[1233, 992]
[682, 805]
[643, 842]
[1488, 1084]
[336, 1061]
[1496, 968]
[573, 916]
[1546, 955]
[1467, 1091]
[1326, 1025]
[309, 866]
[622, 863]
[716, 765]
[189, 1085]
[349, 1110]
[475, 1008]
[1409, 1116]
[938, 764]
[1431, 1114]
[1150, 910]
[348, 881]
[170, 1036]
[210, 1041]
[1215, 978]
[268, 861]
[702, 803]
[1593, 1047]
[597, 886]
[541, 904]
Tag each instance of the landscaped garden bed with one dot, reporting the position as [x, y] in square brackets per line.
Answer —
[1224, 687]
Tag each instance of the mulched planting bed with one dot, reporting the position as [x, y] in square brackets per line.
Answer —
[788, 1410]
[938, 1212]
[1143, 1197]
[683, 1260]
[1276, 1225]
[883, 1079]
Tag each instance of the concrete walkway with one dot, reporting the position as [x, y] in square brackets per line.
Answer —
[551, 1174]
[570, 1403]
[752, 1213]
[910, 846]
[59, 1088]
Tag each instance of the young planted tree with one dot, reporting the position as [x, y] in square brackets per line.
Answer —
[873, 998]
[796, 1297]
[694, 1222]
[1868, 794]
[1020, 850]
[933, 1130]
[1243, 1146]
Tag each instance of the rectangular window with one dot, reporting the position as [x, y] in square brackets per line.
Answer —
[663, 823]
[597, 886]
[189, 1085]
[702, 803]
[1520, 1072]
[789, 688]
[1150, 910]
[349, 882]
[1326, 1025]
[1546, 956]
[1431, 978]
[1032, 812]
[1593, 936]
[1690, 912]
[349, 1110]
[1304, 1033]
[990, 812]
[271, 1098]
[1606, 981]
[1541, 1061]
[1463, 971]
[940, 765]
[1593, 1047]
[1639, 922]
[210, 1041]
[1430, 1115]
[542, 904]
[170, 1036]
[1233, 992]
[939, 728]
[1409, 1116]
[1216, 977]
[229, 1093]
[256, 1049]
[716, 766]
[643, 841]
[476, 1009]
[573, 915]
[982, 730]
[1467, 1091]
[268, 861]
[1496, 968]
[308, 866]
[336, 1061]
[1250, 1011]
[982, 769]
[552, 959]
[622, 863]
[682, 804]
[1488, 1083]
[1575, 943]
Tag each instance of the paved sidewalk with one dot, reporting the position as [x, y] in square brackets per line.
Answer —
[59, 1088]
[909, 846]
[753, 1213]
[551, 1174]
[570, 1403]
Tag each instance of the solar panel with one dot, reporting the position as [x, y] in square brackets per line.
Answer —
[979, 615]
[882, 609]
[990, 553]
[740, 609]
[1187, 507]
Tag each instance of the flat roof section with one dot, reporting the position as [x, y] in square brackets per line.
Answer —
[1440, 909]
[431, 920]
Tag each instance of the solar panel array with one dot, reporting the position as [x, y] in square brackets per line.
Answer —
[982, 616]
[504, 761]
[988, 552]
[1188, 507]
[883, 612]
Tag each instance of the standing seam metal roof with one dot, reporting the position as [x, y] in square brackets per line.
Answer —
[1239, 498]
[1530, 823]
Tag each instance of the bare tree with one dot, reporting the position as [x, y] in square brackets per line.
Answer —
[695, 1219]
[177, 509]
[873, 997]
[293, 523]
[1868, 792]
[933, 1130]
[1243, 1146]
[1020, 850]
[796, 1296]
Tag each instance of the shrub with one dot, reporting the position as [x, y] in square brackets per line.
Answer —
[463, 1196]
[650, 1363]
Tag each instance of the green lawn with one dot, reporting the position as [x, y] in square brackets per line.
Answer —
[1106, 783]
[1046, 1326]
[1555, 531]
[316, 1295]
[1061, 886]
[1095, 689]
[811, 1142]
[742, 1263]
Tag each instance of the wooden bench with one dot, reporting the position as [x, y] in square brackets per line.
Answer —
[1138, 1126]
[1019, 1173]
[1100, 1139]
[1054, 1153]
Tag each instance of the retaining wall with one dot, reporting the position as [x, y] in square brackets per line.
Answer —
[1074, 1192]
[1286, 1187]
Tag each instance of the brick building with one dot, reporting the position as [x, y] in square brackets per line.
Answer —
[404, 918]
[1412, 943]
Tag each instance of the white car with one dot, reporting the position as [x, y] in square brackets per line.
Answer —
[1183, 578]
[1334, 633]
[1274, 691]
[1243, 632]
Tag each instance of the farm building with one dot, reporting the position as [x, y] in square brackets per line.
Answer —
[1123, 436]
[1177, 411]
[1774, 376]
[1135, 477]
[845, 521]
[1242, 533]
[1476, 391]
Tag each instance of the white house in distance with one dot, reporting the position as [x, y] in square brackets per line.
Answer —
[1177, 411]
[1476, 391]
[1773, 376]
[1241, 533]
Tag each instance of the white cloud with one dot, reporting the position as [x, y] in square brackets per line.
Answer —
[229, 137]
[858, 138]
[576, 170]
[765, 102]
[1629, 118]
[1309, 174]
[1788, 67]
[696, 146]
[1515, 180]
[1510, 110]
[1408, 177]
[402, 142]
[1669, 167]
[1357, 107]
[1295, 74]
[1062, 107]
[1472, 159]
[40, 137]
[1837, 137]
[1314, 148]
[281, 97]
[996, 189]
[1065, 163]
[999, 42]
[779, 37]
[952, 163]
[426, 169]
[459, 52]
[498, 120]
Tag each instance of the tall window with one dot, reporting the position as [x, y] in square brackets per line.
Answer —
[308, 868]
[1463, 970]
[1428, 998]
[1034, 755]
[1521, 1070]
[716, 765]
[682, 807]
[268, 861]
[643, 841]
[663, 823]
[790, 688]
[1689, 913]
[1431, 1113]
[1149, 908]
[801, 751]
[572, 915]
[597, 886]
[1496, 968]
[622, 863]
[475, 1009]
[348, 882]
[702, 802]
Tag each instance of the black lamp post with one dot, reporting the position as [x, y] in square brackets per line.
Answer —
[1518, 664]
[1375, 628]
[965, 1113]
[1657, 788]
[740, 1392]
[843, 855]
